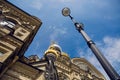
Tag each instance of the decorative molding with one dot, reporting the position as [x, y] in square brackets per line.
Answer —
[20, 17]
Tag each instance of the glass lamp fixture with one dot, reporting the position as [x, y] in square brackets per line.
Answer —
[66, 11]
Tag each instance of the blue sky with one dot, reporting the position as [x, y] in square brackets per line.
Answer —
[100, 17]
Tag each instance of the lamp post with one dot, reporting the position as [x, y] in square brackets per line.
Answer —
[51, 71]
[103, 61]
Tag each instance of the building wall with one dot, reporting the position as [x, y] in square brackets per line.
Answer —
[22, 71]
[71, 71]
[69, 68]
[17, 30]
[74, 72]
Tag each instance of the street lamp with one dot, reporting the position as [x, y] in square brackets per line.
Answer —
[103, 61]
[51, 71]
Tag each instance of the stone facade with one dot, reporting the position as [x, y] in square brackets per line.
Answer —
[17, 30]
[22, 71]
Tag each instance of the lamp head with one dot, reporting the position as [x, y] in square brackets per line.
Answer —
[66, 11]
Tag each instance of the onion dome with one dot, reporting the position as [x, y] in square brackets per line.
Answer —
[55, 47]
[54, 50]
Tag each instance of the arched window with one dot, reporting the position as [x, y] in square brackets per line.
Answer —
[7, 23]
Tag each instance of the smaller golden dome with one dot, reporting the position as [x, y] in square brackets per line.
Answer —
[65, 54]
[55, 47]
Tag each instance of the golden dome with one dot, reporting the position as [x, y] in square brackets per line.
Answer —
[55, 47]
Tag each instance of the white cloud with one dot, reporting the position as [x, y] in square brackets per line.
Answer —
[36, 4]
[57, 32]
[110, 48]
[112, 51]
